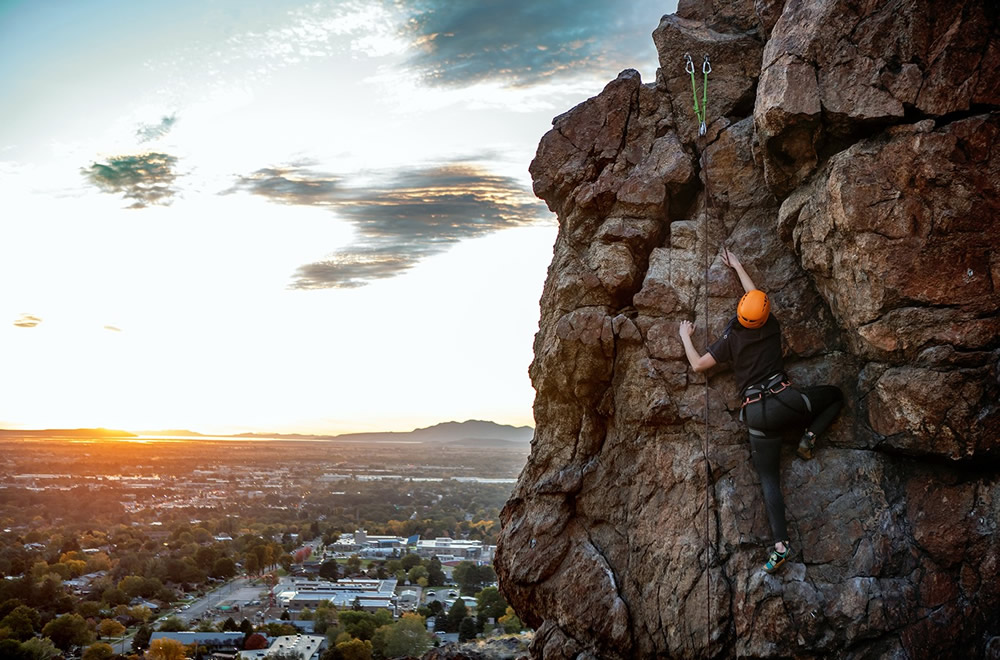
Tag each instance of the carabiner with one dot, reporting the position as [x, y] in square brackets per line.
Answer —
[689, 67]
[706, 66]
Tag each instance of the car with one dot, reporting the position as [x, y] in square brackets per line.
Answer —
[452, 594]
[431, 594]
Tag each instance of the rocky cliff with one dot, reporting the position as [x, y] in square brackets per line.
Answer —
[852, 160]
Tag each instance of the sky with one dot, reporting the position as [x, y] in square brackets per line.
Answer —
[279, 216]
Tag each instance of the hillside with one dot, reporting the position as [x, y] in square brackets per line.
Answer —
[850, 159]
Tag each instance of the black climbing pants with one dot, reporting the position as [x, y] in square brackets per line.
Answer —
[814, 407]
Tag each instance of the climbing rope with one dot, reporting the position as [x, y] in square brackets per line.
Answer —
[706, 68]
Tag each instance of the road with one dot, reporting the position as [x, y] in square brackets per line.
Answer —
[235, 592]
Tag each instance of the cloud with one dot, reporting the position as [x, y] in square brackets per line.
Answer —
[526, 42]
[145, 178]
[148, 132]
[400, 219]
[27, 321]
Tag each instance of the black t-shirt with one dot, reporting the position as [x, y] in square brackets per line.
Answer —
[754, 352]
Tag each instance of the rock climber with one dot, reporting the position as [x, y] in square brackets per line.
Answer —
[770, 405]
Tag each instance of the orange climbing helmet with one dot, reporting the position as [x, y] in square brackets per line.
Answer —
[753, 309]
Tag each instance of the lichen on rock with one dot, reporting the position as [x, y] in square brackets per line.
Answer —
[851, 159]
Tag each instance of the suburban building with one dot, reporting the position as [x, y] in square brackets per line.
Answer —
[296, 594]
[306, 647]
[213, 641]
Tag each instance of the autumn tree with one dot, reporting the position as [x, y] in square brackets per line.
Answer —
[254, 642]
[165, 649]
[110, 628]
[510, 622]
[355, 649]
[98, 651]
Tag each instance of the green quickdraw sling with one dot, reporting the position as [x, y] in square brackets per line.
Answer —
[706, 68]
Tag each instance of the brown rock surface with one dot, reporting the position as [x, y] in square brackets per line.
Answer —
[852, 161]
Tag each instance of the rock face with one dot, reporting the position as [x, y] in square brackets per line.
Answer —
[853, 162]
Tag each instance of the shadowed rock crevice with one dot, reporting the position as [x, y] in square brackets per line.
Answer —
[851, 162]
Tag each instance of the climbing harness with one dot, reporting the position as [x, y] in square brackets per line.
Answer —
[772, 385]
[706, 68]
[776, 388]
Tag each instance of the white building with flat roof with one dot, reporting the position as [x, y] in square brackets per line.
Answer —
[372, 595]
[305, 647]
[448, 549]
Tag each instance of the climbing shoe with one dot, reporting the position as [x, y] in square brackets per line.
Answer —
[806, 445]
[777, 558]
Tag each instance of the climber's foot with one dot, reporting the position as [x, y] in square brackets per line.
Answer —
[777, 558]
[806, 445]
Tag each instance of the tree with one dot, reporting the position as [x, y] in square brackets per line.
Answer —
[471, 577]
[358, 624]
[406, 637]
[39, 648]
[323, 618]
[490, 603]
[416, 573]
[435, 574]
[9, 606]
[166, 649]
[254, 642]
[286, 561]
[141, 639]
[329, 570]
[22, 622]
[98, 651]
[206, 625]
[457, 612]
[353, 564]
[246, 627]
[252, 564]
[409, 561]
[467, 629]
[172, 624]
[230, 625]
[67, 631]
[110, 628]
[355, 649]
[510, 622]
[224, 568]
[140, 613]
[10, 649]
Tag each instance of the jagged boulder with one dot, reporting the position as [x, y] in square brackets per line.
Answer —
[851, 159]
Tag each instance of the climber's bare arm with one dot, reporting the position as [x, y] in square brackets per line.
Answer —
[733, 262]
[698, 362]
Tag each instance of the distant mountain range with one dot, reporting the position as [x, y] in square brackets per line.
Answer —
[468, 433]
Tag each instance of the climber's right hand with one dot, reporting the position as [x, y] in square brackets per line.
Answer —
[730, 259]
[686, 329]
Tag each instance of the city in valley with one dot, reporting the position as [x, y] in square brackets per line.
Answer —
[117, 545]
